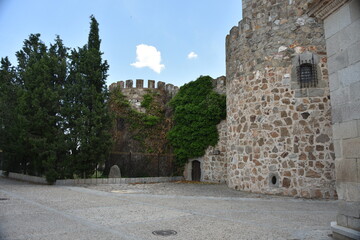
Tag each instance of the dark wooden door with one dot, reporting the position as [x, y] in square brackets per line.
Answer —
[196, 171]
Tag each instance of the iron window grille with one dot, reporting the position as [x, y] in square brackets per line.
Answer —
[307, 73]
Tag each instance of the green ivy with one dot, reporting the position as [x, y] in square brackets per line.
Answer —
[197, 110]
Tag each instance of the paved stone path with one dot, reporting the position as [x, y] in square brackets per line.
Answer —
[194, 211]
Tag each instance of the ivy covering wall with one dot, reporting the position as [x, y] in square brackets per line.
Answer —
[197, 110]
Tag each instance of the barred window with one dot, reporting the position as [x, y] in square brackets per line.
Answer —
[306, 73]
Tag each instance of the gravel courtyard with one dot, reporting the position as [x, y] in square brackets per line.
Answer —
[135, 211]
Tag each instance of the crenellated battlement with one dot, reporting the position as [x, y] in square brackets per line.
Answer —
[139, 84]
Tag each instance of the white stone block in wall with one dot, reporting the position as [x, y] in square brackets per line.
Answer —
[354, 53]
[332, 45]
[341, 96]
[334, 81]
[350, 75]
[337, 21]
[354, 110]
[351, 148]
[349, 35]
[355, 91]
[345, 130]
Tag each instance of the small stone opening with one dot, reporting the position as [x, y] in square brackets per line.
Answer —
[164, 233]
[273, 180]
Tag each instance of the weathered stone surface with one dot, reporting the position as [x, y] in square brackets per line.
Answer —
[114, 172]
[322, 138]
[351, 148]
[312, 174]
[286, 182]
[274, 125]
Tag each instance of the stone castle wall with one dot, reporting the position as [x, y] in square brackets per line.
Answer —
[141, 151]
[279, 136]
[214, 165]
[136, 95]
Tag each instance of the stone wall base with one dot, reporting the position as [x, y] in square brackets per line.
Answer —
[343, 233]
[40, 180]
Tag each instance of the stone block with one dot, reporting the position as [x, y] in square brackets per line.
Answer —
[338, 148]
[340, 96]
[332, 45]
[114, 172]
[337, 21]
[334, 82]
[338, 61]
[345, 130]
[342, 113]
[299, 93]
[354, 52]
[354, 223]
[353, 192]
[342, 220]
[354, 112]
[355, 91]
[343, 233]
[354, 10]
[316, 92]
[351, 148]
[350, 74]
[346, 170]
[350, 35]
[358, 168]
[350, 209]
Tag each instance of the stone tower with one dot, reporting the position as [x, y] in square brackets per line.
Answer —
[279, 135]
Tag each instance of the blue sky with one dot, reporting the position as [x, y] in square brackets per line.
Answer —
[174, 41]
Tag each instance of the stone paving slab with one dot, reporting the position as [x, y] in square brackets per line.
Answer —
[194, 211]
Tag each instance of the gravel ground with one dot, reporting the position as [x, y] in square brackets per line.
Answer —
[135, 211]
[181, 188]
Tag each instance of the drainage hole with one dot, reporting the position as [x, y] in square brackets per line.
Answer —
[164, 233]
[273, 180]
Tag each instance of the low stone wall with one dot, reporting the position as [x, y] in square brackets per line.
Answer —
[64, 182]
[27, 178]
[118, 180]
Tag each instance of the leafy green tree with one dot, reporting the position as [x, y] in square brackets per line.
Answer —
[88, 120]
[197, 111]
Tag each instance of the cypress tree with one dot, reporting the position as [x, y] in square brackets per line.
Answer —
[89, 120]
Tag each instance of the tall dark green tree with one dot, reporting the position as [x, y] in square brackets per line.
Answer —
[10, 124]
[42, 74]
[88, 117]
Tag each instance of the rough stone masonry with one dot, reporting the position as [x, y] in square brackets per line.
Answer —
[278, 127]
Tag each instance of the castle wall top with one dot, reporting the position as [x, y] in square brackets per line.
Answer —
[139, 84]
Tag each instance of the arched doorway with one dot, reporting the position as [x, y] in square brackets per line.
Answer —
[195, 171]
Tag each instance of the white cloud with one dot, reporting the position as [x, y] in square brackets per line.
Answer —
[148, 56]
[192, 55]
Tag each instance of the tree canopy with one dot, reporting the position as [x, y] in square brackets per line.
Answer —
[54, 117]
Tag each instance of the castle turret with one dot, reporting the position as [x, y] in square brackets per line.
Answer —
[279, 137]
